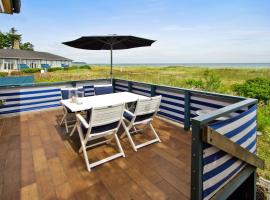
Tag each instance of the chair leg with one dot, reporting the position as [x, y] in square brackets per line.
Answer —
[73, 130]
[63, 118]
[129, 137]
[154, 131]
[66, 126]
[83, 149]
[119, 145]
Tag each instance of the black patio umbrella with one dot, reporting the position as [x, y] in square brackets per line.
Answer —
[109, 42]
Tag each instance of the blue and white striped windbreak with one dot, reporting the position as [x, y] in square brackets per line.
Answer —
[220, 167]
[20, 100]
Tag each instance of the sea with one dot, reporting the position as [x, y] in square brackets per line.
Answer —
[207, 65]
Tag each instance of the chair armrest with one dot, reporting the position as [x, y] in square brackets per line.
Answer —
[82, 120]
[130, 113]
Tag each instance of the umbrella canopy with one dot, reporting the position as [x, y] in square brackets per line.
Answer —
[109, 42]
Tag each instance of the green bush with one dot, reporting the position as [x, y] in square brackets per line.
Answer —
[258, 88]
[85, 67]
[3, 74]
[194, 83]
[31, 70]
[212, 81]
[264, 117]
[53, 69]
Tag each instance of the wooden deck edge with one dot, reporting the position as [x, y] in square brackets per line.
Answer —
[172, 122]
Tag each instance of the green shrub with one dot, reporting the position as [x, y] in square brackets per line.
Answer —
[31, 70]
[2, 102]
[212, 81]
[53, 69]
[3, 74]
[264, 117]
[258, 88]
[194, 83]
[85, 67]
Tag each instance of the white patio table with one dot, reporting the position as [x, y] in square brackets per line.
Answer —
[86, 103]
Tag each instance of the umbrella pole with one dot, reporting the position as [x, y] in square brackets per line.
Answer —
[111, 63]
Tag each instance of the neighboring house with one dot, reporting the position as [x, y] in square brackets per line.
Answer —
[15, 59]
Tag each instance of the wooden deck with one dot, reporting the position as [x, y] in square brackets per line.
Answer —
[39, 161]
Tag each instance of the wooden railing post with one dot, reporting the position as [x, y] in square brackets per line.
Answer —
[187, 111]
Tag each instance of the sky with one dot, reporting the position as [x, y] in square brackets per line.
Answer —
[187, 31]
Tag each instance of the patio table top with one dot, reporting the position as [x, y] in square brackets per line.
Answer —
[86, 103]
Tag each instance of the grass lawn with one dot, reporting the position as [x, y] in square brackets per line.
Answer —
[181, 77]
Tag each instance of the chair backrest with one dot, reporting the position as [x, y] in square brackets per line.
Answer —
[88, 90]
[103, 89]
[106, 115]
[147, 106]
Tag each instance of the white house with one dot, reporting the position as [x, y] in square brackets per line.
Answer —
[15, 59]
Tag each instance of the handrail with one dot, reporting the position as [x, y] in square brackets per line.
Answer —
[223, 143]
[189, 90]
[51, 83]
[203, 119]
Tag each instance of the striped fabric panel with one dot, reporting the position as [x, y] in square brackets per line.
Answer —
[120, 86]
[172, 105]
[220, 167]
[88, 90]
[141, 89]
[29, 99]
[204, 102]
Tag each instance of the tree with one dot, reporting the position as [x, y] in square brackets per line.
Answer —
[13, 36]
[3, 41]
[27, 46]
[7, 40]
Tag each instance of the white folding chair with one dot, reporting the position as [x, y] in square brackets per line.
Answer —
[144, 113]
[104, 122]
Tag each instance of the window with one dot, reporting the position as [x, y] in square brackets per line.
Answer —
[9, 64]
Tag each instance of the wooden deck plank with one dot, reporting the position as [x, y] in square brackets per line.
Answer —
[29, 192]
[45, 187]
[39, 161]
[64, 191]
[58, 175]
[148, 187]
[96, 192]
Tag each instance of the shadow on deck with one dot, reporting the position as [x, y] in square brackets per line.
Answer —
[39, 161]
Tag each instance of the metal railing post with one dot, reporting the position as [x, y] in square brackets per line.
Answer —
[130, 86]
[196, 162]
[187, 111]
[153, 90]
[113, 85]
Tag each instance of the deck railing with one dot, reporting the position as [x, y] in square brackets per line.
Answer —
[179, 105]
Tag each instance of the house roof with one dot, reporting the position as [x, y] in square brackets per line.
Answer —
[25, 54]
[10, 6]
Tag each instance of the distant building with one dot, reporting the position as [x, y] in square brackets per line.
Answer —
[15, 59]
